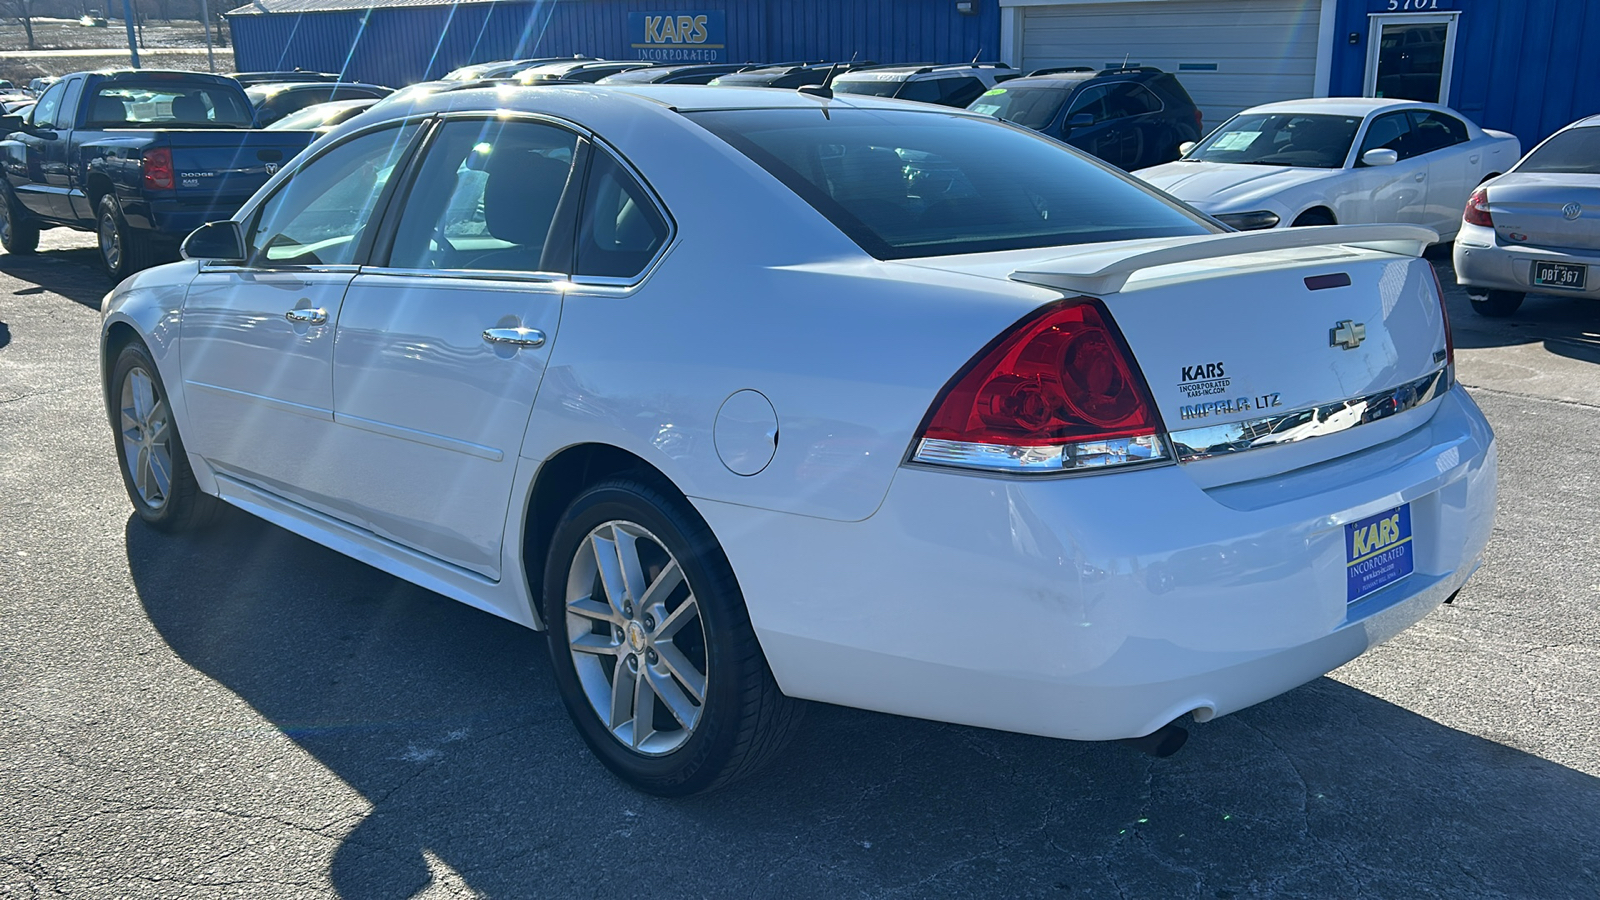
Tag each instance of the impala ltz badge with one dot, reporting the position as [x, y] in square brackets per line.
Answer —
[1347, 334]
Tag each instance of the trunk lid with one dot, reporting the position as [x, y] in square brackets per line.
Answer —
[1534, 207]
[1293, 336]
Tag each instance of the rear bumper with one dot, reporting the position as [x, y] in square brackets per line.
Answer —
[1104, 606]
[1483, 262]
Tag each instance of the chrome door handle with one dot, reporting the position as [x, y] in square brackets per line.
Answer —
[1419, 177]
[307, 316]
[517, 337]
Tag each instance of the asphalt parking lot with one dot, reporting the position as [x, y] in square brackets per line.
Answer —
[245, 714]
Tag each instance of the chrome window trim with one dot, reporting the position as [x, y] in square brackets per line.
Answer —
[612, 281]
[535, 278]
[1252, 434]
[342, 268]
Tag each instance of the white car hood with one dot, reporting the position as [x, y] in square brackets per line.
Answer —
[1226, 186]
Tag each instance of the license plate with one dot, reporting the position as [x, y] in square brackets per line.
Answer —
[1377, 552]
[1560, 275]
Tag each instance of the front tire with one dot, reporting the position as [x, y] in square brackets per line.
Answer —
[17, 235]
[1497, 304]
[652, 647]
[155, 468]
[123, 250]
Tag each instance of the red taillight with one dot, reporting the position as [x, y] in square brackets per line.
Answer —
[158, 169]
[1449, 339]
[1059, 391]
[1478, 209]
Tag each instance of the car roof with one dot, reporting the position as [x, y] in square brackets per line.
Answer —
[909, 70]
[667, 98]
[1346, 106]
[1587, 122]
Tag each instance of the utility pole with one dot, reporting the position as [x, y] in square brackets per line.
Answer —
[127, 20]
[205, 19]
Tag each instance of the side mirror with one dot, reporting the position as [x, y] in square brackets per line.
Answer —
[8, 124]
[1080, 120]
[1186, 146]
[1380, 157]
[215, 241]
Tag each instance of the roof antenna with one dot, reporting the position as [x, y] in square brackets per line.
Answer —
[975, 57]
[823, 90]
[1125, 57]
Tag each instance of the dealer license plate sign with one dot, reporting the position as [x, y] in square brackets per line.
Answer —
[1377, 551]
[1560, 275]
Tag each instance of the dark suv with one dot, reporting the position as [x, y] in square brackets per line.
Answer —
[1131, 117]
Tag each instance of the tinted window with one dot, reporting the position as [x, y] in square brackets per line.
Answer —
[1280, 139]
[44, 112]
[1575, 150]
[167, 105]
[486, 197]
[959, 91]
[1435, 130]
[1030, 107]
[67, 113]
[869, 88]
[1129, 99]
[317, 217]
[909, 184]
[620, 230]
[924, 91]
[1391, 131]
[1091, 101]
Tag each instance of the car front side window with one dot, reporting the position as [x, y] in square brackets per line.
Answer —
[317, 217]
[1391, 131]
[1091, 101]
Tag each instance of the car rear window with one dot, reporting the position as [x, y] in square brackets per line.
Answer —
[1576, 150]
[121, 104]
[906, 184]
[1032, 108]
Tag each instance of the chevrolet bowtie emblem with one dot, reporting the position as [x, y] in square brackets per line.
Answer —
[1347, 334]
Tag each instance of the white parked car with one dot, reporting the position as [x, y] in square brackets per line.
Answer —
[1338, 160]
[712, 386]
[1535, 229]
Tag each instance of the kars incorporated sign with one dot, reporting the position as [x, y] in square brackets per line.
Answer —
[685, 37]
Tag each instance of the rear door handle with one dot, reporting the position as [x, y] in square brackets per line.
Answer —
[517, 337]
[1419, 177]
[307, 316]
[1474, 158]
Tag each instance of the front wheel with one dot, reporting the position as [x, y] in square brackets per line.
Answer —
[1497, 304]
[17, 234]
[652, 648]
[155, 468]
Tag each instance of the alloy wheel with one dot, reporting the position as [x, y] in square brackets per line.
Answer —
[637, 639]
[110, 242]
[146, 427]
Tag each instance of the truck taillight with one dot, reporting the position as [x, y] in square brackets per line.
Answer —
[158, 169]
[1058, 392]
[1478, 209]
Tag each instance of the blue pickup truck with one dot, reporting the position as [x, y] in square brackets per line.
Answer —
[140, 157]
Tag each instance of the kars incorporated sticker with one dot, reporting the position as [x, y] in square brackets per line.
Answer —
[1377, 551]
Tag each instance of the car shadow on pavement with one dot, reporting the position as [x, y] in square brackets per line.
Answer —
[74, 274]
[1567, 326]
[447, 721]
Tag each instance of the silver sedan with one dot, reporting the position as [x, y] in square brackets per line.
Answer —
[1535, 229]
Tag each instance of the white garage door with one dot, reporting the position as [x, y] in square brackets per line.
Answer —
[1229, 54]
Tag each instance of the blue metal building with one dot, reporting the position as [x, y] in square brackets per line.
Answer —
[398, 42]
[1524, 66]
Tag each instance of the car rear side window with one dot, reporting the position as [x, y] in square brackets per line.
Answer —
[905, 184]
[1576, 150]
[1030, 107]
[620, 230]
[486, 198]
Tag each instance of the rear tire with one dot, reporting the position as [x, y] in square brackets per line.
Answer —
[123, 250]
[1497, 304]
[643, 613]
[155, 467]
[17, 234]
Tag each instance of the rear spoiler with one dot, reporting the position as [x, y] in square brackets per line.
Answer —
[1099, 269]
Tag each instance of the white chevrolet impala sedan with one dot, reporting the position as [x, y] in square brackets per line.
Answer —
[749, 396]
